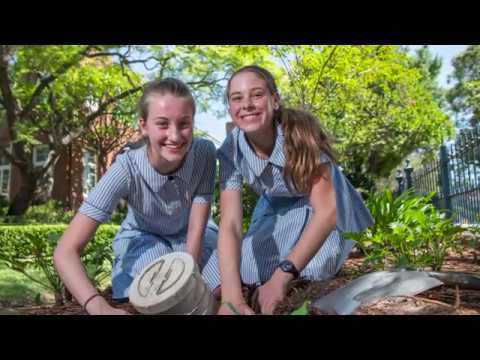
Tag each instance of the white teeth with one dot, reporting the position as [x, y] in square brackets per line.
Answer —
[249, 115]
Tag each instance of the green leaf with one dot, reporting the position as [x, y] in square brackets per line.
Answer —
[302, 310]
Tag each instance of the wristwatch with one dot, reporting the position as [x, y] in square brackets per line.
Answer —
[288, 267]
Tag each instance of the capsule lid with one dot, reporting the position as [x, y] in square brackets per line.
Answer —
[163, 283]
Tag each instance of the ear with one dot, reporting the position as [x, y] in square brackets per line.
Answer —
[142, 125]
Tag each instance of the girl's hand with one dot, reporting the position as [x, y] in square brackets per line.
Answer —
[114, 311]
[273, 292]
[238, 308]
[99, 306]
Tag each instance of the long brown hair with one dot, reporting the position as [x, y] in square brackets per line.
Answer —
[305, 137]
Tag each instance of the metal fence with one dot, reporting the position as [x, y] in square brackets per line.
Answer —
[454, 177]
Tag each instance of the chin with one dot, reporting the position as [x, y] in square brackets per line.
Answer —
[251, 128]
[173, 156]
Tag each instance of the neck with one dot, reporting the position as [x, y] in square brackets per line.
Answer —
[262, 142]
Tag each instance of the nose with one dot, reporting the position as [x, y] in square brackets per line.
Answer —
[247, 103]
[173, 134]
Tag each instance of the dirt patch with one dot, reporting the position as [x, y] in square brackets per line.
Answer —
[73, 308]
[443, 300]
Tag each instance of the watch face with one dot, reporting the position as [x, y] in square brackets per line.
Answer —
[286, 266]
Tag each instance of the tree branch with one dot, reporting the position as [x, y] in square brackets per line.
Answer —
[163, 64]
[288, 69]
[113, 99]
[330, 56]
[52, 159]
[9, 157]
[46, 80]
[124, 58]
[100, 111]
[8, 99]
[203, 82]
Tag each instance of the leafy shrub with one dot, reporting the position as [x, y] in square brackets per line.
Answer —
[27, 247]
[51, 212]
[249, 200]
[409, 232]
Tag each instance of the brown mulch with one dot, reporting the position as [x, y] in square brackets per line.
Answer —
[443, 300]
[73, 308]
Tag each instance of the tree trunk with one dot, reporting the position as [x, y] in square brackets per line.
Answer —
[101, 165]
[21, 201]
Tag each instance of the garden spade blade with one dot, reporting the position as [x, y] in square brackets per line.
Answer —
[374, 286]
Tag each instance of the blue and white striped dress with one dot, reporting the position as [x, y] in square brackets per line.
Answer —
[158, 208]
[282, 214]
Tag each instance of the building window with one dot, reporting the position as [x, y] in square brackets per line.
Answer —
[89, 172]
[40, 155]
[4, 180]
[4, 176]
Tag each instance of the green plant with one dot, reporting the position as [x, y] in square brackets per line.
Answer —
[249, 200]
[50, 212]
[119, 214]
[409, 232]
[16, 289]
[302, 310]
[30, 247]
[3, 205]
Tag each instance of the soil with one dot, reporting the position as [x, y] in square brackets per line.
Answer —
[443, 300]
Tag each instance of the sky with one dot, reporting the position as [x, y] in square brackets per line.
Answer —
[447, 53]
[216, 126]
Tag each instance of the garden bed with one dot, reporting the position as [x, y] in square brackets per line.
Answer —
[441, 300]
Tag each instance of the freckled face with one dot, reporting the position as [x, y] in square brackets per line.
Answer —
[251, 105]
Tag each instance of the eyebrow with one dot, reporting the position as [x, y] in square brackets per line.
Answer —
[253, 89]
[162, 118]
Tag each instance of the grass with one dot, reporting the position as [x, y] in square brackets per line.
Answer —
[18, 290]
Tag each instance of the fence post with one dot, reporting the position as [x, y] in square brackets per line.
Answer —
[399, 179]
[445, 176]
[408, 174]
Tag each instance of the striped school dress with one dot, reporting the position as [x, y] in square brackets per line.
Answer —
[158, 208]
[281, 214]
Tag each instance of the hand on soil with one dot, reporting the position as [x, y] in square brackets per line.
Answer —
[270, 295]
[102, 307]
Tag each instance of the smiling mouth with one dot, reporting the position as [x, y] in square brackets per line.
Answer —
[247, 116]
[174, 147]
